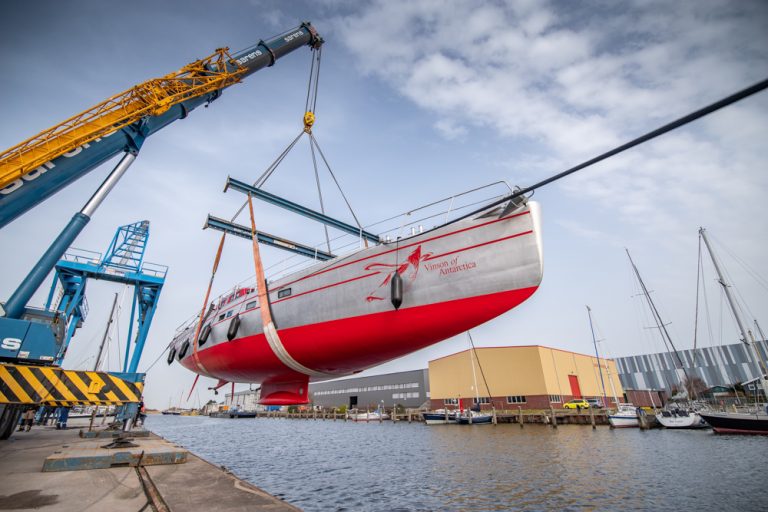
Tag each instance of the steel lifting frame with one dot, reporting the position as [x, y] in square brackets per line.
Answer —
[267, 239]
[297, 208]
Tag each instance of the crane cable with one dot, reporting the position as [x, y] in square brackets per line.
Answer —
[314, 73]
[310, 110]
[677, 123]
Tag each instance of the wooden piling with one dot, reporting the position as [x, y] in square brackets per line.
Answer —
[554, 418]
[592, 417]
[521, 416]
[642, 419]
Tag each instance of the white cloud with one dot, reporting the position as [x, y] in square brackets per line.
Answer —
[577, 82]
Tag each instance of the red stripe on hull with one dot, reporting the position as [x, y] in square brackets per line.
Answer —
[352, 344]
[721, 430]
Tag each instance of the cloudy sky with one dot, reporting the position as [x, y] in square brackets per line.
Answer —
[418, 101]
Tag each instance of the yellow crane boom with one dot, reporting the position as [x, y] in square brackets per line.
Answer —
[152, 97]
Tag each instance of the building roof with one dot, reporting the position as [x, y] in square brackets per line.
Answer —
[521, 346]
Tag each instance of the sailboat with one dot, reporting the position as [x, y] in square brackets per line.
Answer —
[673, 415]
[351, 312]
[474, 415]
[626, 414]
[748, 422]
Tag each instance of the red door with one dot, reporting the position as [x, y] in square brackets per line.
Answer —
[575, 389]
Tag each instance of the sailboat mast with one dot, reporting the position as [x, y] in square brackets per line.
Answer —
[599, 366]
[106, 333]
[746, 335]
[657, 317]
[474, 375]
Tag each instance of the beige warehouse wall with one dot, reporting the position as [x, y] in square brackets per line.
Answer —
[527, 370]
[557, 365]
[508, 372]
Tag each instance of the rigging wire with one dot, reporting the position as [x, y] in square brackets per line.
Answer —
[677, 123]
[319, 193]
[156, 360]
[696, 310]
[313, 140]
[482, 373]
[646, 315]
[752, 272]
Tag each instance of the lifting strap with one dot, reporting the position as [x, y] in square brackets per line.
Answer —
[205, 306]
[267, 322]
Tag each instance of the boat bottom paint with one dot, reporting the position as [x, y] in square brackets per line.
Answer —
[345, 346]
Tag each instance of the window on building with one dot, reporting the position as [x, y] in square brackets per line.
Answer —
[516, 399]
[229, 314]
[451, 401]
[482, 400]
[222, 316]
[251, 305]
[555, 399]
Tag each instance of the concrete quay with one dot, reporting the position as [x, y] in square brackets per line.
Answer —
[190, 485]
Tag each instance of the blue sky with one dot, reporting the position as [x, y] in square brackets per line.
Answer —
[418, 101]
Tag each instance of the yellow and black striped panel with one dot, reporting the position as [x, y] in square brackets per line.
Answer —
[21, 384]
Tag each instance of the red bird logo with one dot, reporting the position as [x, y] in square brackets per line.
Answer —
[413, 261]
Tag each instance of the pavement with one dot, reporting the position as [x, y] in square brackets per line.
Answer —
[195, 485]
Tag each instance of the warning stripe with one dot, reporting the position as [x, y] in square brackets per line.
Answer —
[54, 386]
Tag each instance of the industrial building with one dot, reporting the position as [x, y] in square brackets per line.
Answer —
[723, 365]
[407, 389]
[246, 400]
[529, 377]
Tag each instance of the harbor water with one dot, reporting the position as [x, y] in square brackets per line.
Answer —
[334, 465]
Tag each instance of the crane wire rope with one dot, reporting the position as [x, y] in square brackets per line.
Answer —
[319, 193]
[314, 71]
[677, 123]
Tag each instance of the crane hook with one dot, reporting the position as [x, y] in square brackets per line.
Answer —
[309, 120]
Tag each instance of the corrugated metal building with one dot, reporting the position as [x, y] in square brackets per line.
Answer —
[409, 389]
[716, 366]
[531, 377]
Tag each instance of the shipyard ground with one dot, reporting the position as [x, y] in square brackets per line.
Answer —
[194, 485]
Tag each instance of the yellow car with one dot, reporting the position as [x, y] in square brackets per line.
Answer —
[576, 403]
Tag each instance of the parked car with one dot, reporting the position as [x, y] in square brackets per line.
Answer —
[595, 403]
[576, 403]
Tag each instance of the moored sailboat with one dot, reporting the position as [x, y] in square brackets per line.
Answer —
[624, 417]
[748, 422]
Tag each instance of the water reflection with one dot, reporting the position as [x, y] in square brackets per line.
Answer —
[326, 465]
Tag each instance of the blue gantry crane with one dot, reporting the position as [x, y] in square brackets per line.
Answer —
[123, 262]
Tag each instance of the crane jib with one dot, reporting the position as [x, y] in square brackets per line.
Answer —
[38, 184]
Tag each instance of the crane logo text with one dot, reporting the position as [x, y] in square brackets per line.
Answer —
[293, 36]
[47, 166]
[250, 56]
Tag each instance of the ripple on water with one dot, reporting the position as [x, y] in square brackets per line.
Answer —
[327, 465]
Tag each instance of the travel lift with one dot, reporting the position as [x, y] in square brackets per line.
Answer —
[33, 340]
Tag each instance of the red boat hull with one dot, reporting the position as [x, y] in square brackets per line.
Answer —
[335, 346]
